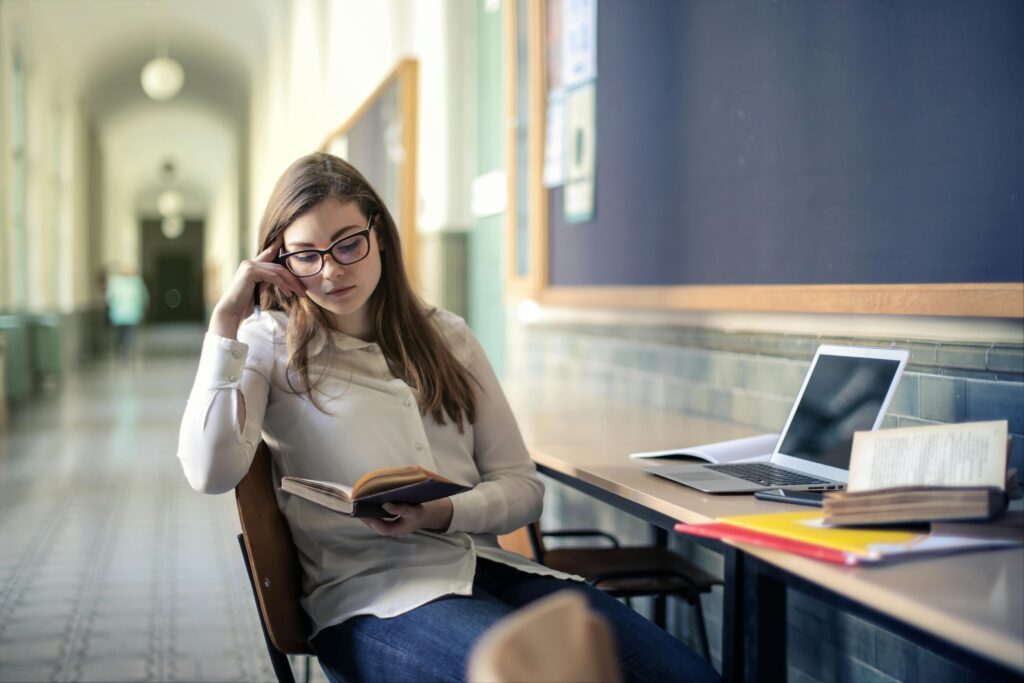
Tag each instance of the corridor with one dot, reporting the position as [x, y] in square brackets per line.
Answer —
[112, 568]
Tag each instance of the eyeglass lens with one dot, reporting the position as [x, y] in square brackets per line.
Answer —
[345, 251]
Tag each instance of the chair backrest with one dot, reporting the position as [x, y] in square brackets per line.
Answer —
[273, 559]
[557, 638]
[526, 541]
[518, 542]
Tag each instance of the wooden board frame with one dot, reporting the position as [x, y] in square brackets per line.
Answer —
[990, 300]
[406, 76]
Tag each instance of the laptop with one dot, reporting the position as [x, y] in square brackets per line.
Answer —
[847, 389]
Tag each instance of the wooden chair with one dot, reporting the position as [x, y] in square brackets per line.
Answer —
[622, 572]
[272, 563]
[557, 638]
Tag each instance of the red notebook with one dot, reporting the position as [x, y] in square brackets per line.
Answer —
[734, 533]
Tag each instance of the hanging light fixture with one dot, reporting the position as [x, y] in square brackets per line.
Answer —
[170, 203]
[172, 227]
[162, 77]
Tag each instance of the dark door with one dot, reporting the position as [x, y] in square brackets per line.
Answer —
[172, 269]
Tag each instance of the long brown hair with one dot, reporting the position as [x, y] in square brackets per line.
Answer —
[413, 346]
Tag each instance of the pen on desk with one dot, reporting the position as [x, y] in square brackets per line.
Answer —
[256, 300]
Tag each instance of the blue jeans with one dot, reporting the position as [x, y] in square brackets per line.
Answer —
[433, 642]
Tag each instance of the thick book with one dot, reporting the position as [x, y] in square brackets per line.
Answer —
[748, 449]
[806, 534]
[923, 474]
[410, 484]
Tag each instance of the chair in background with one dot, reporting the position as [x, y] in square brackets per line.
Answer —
[272, 563]
[622, 572]
[557, 638]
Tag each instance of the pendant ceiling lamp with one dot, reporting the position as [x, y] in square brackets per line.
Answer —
[162, 77]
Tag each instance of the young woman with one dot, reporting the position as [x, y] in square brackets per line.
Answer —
[345, 371]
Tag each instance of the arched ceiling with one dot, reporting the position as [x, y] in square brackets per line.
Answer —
[102, 46]
[105, 43]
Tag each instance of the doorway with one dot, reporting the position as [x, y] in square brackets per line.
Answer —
[172, 269]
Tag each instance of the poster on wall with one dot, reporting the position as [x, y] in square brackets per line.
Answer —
[581, 153]
[579, 42]
[554, 145]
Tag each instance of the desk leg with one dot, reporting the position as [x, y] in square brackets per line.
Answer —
[732, 616]
[660, 601]
[764, 624]
[754, 622]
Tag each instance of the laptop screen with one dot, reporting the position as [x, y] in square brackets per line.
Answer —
[843, 395]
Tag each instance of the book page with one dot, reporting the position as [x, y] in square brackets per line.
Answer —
[328, 488]
[971, 454]
[752, 448]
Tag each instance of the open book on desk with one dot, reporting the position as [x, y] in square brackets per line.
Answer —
[805, 534]
[922, 474]
[748, 449]
[409, 484]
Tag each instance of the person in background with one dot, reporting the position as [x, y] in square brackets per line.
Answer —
[346, 370]
[127, 299]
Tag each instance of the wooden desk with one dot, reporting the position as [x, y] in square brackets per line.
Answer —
[968, 608]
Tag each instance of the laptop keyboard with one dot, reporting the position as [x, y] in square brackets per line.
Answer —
[766, 475]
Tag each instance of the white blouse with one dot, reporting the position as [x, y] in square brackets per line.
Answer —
[372, 420]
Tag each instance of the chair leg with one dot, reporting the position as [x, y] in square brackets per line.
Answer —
[702, 631]
[279, 660]
[660, 611]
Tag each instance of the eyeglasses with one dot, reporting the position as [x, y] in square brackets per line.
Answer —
[351, 248]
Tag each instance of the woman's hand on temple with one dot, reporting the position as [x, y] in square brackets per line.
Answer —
[236, 304]
[435, 515]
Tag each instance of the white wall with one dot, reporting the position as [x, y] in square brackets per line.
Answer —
[203, 145]
[56, 208]
[328, 57]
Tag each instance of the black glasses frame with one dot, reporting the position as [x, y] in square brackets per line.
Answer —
[283, 258]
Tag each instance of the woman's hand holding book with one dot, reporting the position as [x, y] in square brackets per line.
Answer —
[434, 515]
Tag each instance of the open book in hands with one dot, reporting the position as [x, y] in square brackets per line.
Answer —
[409, 484]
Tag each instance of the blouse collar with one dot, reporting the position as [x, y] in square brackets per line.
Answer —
[339, 340]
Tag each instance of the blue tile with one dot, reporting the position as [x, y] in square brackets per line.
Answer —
[1016, 458]
[934, 669]
[907, 397]
[970, 374]
[857, 638]
[856, 670]
[996, 401]
[922, 355]
[895, 656]
[943, 399]
[720, 404]
[965, 356]
[914, 422]
[1008, 359]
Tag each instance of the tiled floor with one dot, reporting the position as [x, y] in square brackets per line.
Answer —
[111, 567]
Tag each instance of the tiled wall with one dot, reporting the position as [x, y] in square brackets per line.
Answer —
[752, 379]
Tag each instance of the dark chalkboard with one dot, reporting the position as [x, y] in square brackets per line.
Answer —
[803, 142]
[379, 139]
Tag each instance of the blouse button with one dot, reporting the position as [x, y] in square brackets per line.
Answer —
[232, 378]
[372, 348]
[419, 446]
[236, 354]
[407, 403]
